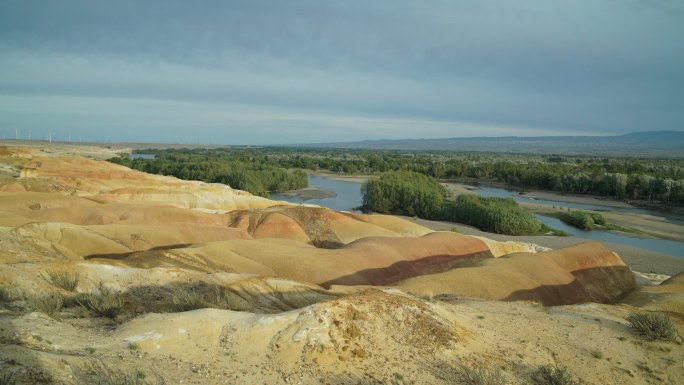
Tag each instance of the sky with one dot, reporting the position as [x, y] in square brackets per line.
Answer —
[297, 71]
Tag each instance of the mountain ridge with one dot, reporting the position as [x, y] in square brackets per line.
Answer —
[660, 143]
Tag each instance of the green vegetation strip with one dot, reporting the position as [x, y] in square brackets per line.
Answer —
[656, 180]
[590, 220]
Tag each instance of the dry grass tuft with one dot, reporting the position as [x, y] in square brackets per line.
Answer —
[6, 294]
[654, 326]
[67, 280]
[49, 304]
[552, 375]
[103, 301]
[191, 297]
[480, 375]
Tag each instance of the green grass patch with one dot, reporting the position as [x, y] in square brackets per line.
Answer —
[622, 229]
[544, 230]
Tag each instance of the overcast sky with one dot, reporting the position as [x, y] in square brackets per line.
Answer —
[295, 71]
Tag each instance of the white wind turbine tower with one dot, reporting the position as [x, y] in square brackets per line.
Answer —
[16, 133]
[50, 137]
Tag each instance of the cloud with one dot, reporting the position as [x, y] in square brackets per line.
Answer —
[531, 66]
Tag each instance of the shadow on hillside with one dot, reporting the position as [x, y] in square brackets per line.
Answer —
[121, 256]
[402, 270]
[607, 284]
[253, 297]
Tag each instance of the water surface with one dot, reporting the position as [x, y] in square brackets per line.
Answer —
[348, 194]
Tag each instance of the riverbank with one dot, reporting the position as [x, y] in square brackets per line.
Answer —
[354, 178]
[638, 259]
[645, 225]
[568, 198]
[308, 193]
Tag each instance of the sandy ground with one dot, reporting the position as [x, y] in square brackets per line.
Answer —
[637, 259]
[374, 337]
[582, 199]
[311, 193]
[652, 226]
[342, 177]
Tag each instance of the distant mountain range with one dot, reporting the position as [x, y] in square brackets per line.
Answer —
[652, 143]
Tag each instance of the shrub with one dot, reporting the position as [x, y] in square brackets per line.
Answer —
[404, 193]
[103, 301]
[6, 294]
[202, 296]
[552, 375]
[48, 304]
[479, 375]
[67, 280]
[598, 218]
[186, 299]
[497, 215]
[584, 220]
[654, 326]
[8, 379]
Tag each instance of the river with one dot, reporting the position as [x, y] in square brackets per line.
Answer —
[349, 197]
[503, 193]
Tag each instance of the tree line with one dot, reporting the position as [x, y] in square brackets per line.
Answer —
[243, 173]
[652, 180]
